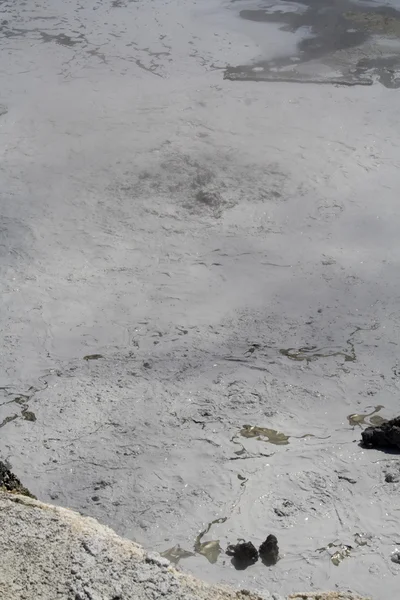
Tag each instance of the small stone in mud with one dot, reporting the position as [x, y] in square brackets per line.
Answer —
[28, 415]
[383, 436]
[395, 558]
[345, 478]
[93, 357]
[205, 413]
[147, 364]
[96, 498]
[389, 478]
[100, 485]
[244, 554]
[269, 551]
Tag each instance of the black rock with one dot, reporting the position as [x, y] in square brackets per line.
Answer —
[10, 483]
[386, 435]
[269, 551]
[244, 554]
[395, 558]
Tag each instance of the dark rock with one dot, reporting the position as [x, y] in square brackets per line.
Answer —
[345, 478]
[100, 485]
[205, 413]
[244, 554]
[28, 415]
[93, 357]
[383, 436]
[269, 551]
[392, 476]
[395, 558]
[10, 483]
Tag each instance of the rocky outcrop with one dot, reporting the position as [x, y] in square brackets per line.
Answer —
[48, 553]
[10, 482]
[385, 436]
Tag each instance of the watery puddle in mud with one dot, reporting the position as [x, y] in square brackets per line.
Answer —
[313, 352]
[176, 553]
[264, 434]
[367, 419]
[307, 353]
[310, 353]
[21, 401]
[211, 549]
[343, 43]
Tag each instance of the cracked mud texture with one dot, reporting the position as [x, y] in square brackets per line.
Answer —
[231, 252]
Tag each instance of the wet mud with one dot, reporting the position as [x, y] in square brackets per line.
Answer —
[22, 400]
[200, 281]
[176, 553]
[343, 43]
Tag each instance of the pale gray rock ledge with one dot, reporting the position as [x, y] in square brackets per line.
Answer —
[52, 553]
